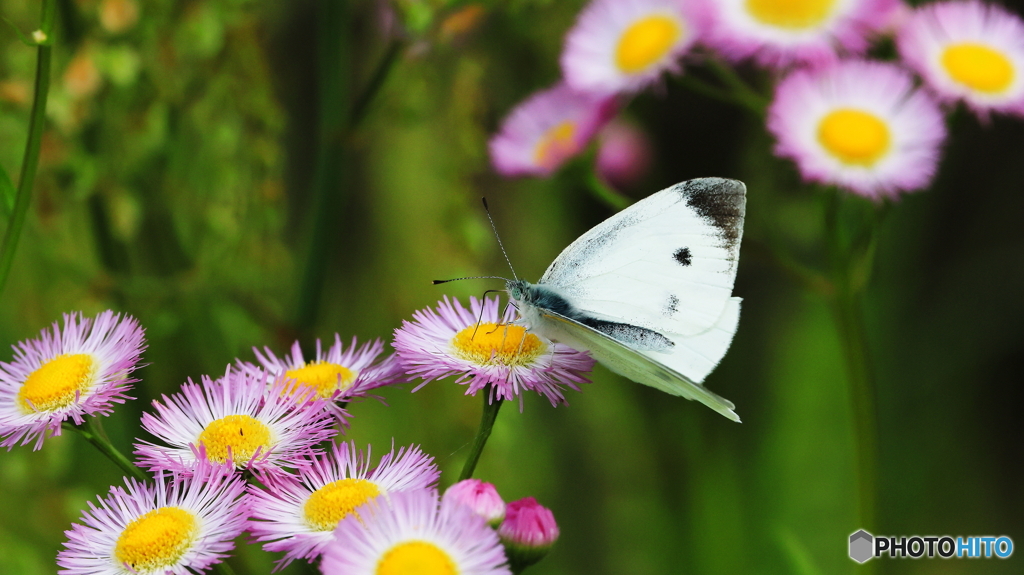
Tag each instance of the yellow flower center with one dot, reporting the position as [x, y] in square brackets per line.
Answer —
[241, 435]
[57, 383]
[336, 500]
[493, 344]
[645, 42]
[156, 540]
[855, 137]
[791, 14]
[978, 67]
[416, 558]
[324, 377]
[555, 145]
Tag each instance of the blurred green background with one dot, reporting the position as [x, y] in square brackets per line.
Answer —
[201, 170]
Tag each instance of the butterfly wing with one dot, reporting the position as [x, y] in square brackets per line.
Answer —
[666, 263]
[642, 367]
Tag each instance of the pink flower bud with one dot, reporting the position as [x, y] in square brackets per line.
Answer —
[481, 497]
[528, 532]
[623, 155]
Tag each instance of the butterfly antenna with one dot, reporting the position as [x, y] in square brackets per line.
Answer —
[500, 245]
[438, 282]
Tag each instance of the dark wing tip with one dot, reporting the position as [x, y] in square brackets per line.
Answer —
[720, 201]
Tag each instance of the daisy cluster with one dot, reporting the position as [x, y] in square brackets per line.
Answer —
[873, 127]
[256, 450]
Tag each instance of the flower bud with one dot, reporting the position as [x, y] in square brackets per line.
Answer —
[481, 497]
[528, 532]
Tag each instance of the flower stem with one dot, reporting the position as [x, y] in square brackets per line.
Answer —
[850, 265]
[490, 413]
[22, 199]
[741, 91]
[94, 435]
[606, 194]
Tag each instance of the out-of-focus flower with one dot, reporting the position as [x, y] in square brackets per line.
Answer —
[777, 33]
[528, 532]
[235, 421]
[859, 125]
[299, 517]
[82, 77]
[179, 525]
[481, 497]
[623, 154]
[624, 45]
[547, 129]
[408, 532]
[339, 374]
[449, 340]
[968, 51]
[67, 374]
[462, 22]
[117, 16]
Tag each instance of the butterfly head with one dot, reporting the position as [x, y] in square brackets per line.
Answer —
[518, 290]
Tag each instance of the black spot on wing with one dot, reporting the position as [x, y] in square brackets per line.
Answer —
[672, 306]
[720, 202]
[683, 256]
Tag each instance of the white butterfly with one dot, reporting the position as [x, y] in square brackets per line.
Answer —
[648, 292]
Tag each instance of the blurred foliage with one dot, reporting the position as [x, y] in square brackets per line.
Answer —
[183, 174]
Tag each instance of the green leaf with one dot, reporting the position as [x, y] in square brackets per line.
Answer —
[7, 193]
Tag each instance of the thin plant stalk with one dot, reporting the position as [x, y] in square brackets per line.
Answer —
[849, 263]
[44, 39]
[94, 435]
[490, 413]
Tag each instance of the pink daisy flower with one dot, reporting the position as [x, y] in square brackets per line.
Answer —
[299, 517]
[624, 45]
[234, 421]
[547, 129]
[409, 532]
[67, 374]
[338, 374]
[449, 340]
[177, 526]
[860, 125]
[776, 33]
[968, 51]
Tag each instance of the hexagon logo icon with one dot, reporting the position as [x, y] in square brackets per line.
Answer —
[861, 546]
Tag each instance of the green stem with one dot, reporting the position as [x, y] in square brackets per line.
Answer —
[742, 93]
[606, 194]
[490, 413]
[35, 136]
[376, 81]
[849, 265]
[94, 435]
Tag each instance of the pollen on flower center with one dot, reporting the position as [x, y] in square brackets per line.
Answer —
[978, 67]
[418, 557]
[324, 377]
[57, 383]
[156, 540]
[854, 137]
[493, 344]
[336, 500]
[791, 14]
[645, 42]
[555, 145]
[237, 436]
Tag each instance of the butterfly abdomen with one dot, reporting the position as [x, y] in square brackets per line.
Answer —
[636, 337]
